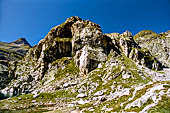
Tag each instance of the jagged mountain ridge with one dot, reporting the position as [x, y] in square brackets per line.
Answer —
[96, 72]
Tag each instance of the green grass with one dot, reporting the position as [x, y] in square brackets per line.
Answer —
[163, 106]
[70, 69]
[25, 101]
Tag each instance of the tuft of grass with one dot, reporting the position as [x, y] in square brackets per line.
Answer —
[163, 106]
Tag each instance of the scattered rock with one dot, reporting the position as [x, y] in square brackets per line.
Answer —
[82, 101]
[82, 95]
[99, 93]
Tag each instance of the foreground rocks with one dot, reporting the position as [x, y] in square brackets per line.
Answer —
[88, 71]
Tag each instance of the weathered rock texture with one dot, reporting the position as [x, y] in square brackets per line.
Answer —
[157, 44]
[80, 67]
[10, 53]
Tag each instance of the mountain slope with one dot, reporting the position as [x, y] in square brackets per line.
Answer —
[9, 54]
[78, 68]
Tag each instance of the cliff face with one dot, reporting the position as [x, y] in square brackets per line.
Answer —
[157, 44]
[92, 71]
[10, 53]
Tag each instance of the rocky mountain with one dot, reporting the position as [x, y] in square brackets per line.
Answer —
[77, 68]
[10, 53]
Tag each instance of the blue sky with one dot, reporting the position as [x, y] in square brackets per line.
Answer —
[33, 19]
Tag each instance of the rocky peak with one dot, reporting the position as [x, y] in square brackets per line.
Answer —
[127, 34]
[86, 33]
[73, 19]
[10, 54]
[21, 41]
[81, 39]
[114, 66]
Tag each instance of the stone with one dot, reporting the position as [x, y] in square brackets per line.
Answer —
[126, 76]
[91, 109]
[81, 95]
[71, 105]
[82, 102]
[108, 109]
[148, 95]
[74, 111]
[19, 98]
[33, 101]
[65, 85]
[99, 93]
[36, 95]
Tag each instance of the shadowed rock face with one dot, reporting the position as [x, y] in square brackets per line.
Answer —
[118, 68]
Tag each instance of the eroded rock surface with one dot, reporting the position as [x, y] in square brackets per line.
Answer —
[10, 53]
[77, 66]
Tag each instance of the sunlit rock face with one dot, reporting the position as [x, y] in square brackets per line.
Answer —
[87, 45]
[77, 66]
[157, 44]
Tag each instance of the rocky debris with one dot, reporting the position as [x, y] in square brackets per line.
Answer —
[99, 93]
[106, 109]
[118, 93]
[121, 74]
[74, 111]
[126, 75]
[81, 95]
[157, 76]
[151, 94]
[35, 94]
[81, 101]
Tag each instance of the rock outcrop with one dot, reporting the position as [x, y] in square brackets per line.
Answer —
[157, 44]
[127, 46]
[10, 53]
[77, 66]
[87, 45]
